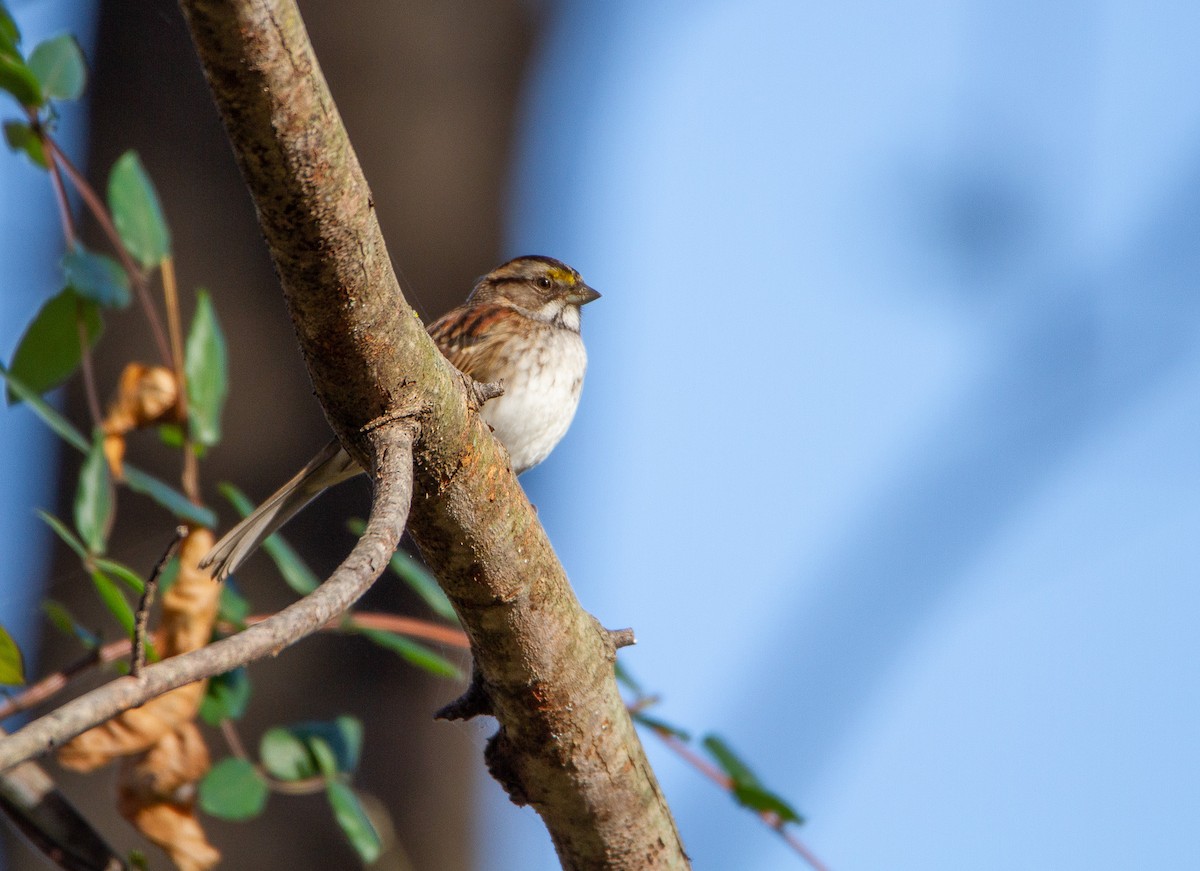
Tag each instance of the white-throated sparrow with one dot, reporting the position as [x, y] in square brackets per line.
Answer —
[519, 328]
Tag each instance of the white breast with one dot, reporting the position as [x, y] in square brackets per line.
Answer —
[540, 398]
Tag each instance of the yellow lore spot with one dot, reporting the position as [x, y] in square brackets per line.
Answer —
[562, 276]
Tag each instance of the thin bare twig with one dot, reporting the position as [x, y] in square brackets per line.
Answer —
[89, 371]
[71, 234]
[142, 618]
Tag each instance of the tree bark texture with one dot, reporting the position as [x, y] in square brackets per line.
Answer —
[566, 744]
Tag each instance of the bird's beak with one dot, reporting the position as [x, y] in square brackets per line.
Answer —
[582, 295]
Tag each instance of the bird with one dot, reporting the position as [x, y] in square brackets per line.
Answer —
[520, 328]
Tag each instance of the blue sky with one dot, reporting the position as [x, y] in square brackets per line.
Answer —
[888, 449]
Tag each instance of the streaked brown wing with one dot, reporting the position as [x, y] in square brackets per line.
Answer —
[476, 338]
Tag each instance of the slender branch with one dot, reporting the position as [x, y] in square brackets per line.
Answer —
[60, 196]
[70, 234]
[89, 371]
[142, 617]
[392, 448]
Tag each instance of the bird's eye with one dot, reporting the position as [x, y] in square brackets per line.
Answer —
[543, 283]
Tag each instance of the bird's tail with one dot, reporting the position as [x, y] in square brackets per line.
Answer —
[331, 466]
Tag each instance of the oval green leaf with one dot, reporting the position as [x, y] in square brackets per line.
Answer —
[226, 697]
[136, 211]
[285, 756]
[17, 79]
[114, 600]
[207, 373]
[168, 497]
[64, 621]
[737, 770]
[12, 665]
[49, 353]
[97, 277]
[94, 499]
[21, 138]
[354, 822]
[232, 790]
[758, 799]
[10, 34]
[60, 529]
[59, 66]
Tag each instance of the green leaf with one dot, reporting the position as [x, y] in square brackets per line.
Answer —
[49, 353]
[97, 277]
[729, 762]
[12, 666]
[295, 571]
[61, 530]
[335, 745]
[19, 80]
[324, 756]
[59, 66]
[135, 479]
[131, 578]
[661, 726]
[343, 736]
[61, 426]
[64, 621]
[758, 799]
[136, 211]
[233, 790]
[226, 697]
[168, 497]
[94, 499]
[285, 756]
[357, 826]
[21, 138]
[114, 600]
[10, 34]
[310, 749]
[413, 652]
[171, 435]
[207, 373]
[415, 575]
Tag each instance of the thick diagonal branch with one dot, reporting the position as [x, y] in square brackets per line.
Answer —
[566, 745]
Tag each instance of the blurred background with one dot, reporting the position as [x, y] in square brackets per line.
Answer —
[889, 447]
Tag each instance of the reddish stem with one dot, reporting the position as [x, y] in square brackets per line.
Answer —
[100, 212]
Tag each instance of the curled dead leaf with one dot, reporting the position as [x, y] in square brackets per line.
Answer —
[146, 395]
[156, 792]
[189, 610]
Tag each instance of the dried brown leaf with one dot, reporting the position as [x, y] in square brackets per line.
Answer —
[146, 395]
[189, 609]
[156, 792]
